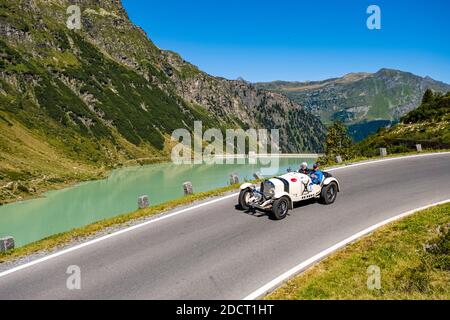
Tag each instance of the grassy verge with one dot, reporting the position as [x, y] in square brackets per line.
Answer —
[412, 254]
[395, 155]
[55, 241]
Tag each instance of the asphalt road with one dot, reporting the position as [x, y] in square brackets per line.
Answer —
[218, 252]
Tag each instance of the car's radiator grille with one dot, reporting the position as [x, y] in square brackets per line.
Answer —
[266, 187]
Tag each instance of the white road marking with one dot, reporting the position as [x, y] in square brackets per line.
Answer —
[387, 159]
[85, 244]
[267, 288]
[88, 243]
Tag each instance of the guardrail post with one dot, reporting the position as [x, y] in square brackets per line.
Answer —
[383, 152]
[6, 244]
[338, 159]
[258, 176]
[419, 147]
[143, 202]
[234, 179]
[188, 189]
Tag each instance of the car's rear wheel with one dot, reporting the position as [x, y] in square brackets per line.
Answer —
[280, 208]
[329, 193]
[244, 196]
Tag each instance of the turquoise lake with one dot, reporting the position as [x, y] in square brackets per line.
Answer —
[66, 209]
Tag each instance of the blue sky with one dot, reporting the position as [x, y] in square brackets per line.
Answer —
[299, 40]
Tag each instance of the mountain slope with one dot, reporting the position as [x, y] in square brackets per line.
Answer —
[428, 125]
[101, 96]
[363, 101]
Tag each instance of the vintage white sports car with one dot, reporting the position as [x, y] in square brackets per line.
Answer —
[278, 195]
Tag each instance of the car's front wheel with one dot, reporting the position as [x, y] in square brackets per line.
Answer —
[244, 197]
[329, 193]
[280, 208]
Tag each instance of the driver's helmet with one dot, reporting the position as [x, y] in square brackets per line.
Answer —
[315, 166]
[304, 165]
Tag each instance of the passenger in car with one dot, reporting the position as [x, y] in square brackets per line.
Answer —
[316, 175]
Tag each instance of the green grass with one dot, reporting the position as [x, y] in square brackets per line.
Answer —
[62, 239]
[32, 162]
[408, 271]
[380, 108]
[403, 137]
[396, 155]
[429, 125]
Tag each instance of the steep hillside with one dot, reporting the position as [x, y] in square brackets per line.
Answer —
[363, 101]
[428, 125]
[99, 97]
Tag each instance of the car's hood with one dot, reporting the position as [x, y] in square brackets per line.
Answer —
[293, 175]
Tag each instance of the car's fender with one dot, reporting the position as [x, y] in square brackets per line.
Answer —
[329, 180]
[246, 186]
[279, 195]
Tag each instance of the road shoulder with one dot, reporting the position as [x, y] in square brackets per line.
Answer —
[410, 257]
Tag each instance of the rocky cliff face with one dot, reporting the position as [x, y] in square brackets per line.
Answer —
[110, 56]
[242, 103]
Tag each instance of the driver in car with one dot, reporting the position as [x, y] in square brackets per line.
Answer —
[304, 169]
[316, 175]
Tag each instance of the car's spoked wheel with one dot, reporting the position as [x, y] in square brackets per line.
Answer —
[244, 198]
[280, 208]
[329, 193]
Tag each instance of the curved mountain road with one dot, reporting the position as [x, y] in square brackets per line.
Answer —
[217, 252]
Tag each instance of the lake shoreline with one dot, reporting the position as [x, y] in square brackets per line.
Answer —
[104, 173]
[96, 175]
[40, 193]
